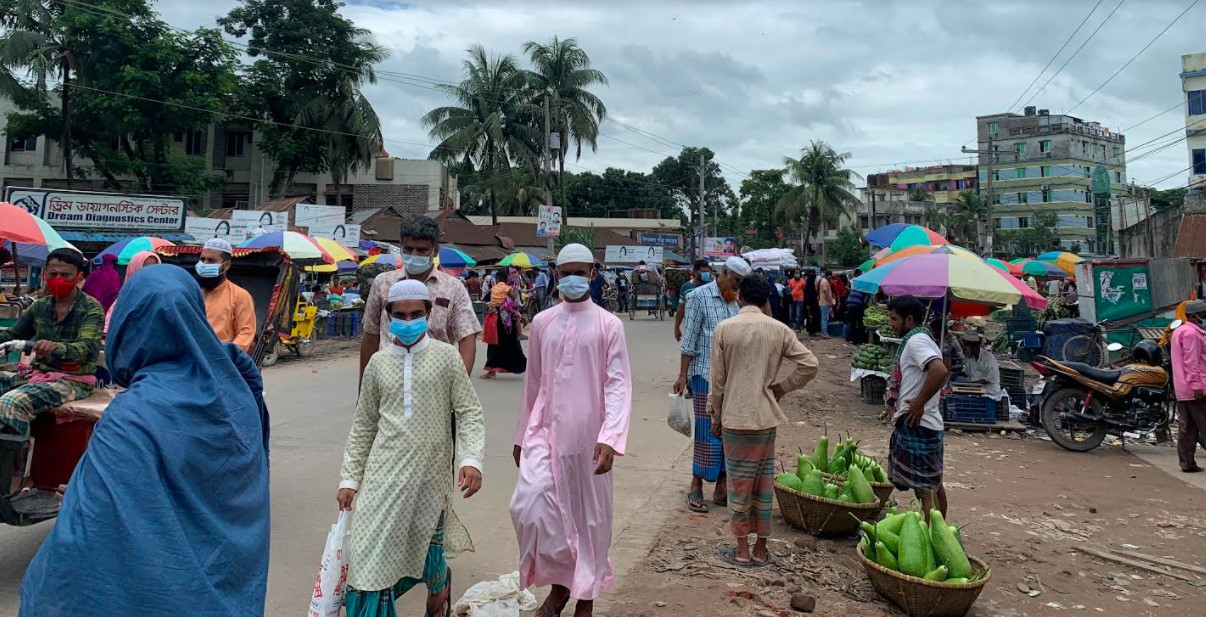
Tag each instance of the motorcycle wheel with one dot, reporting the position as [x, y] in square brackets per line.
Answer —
[1076, 437]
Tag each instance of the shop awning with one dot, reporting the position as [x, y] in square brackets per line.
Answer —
[109, 238]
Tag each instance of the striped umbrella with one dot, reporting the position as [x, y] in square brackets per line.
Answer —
[939, 274]
[915, 235]
[385, 258]
[126, 249]
[1037, 268]
[345, 260]
[28, 237]
[921, 249]
[1004, 266]
[299, 247]
[1064, 260]
[522, 260]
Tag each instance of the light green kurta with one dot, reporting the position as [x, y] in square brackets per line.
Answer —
[399, 457]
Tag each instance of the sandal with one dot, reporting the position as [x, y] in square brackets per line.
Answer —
[1192, 469]
[695, 502]
[434, 611]
[728, 554]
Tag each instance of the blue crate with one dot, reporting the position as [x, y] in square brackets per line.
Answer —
[1032, 340]
[970, 409]
[837, 329]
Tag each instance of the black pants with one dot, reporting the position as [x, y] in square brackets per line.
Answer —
[856, 332]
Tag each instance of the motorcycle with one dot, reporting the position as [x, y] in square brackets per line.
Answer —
[1080, 404]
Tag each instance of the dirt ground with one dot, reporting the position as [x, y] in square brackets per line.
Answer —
[1027, 505]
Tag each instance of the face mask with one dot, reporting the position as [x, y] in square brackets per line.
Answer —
[408, 330]
[705, 277]
[573, 287]
[416, 264]
[60, 287]
[208, 271]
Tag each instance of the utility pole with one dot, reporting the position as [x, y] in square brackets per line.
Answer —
[992, 163]
[702, 227]
[548, 192]
[1151, 230]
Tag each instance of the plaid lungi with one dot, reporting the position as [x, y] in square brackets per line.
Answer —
[915, 457]
[708, 459]
[21, 401]
[381, 603]
[750, 461]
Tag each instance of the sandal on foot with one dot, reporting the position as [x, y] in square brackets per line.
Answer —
[728, 554]
[695, 502]
[1191, 469]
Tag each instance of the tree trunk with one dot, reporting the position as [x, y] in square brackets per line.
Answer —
[278, 182]
[814, 222]
[493, 208]
[68, 163]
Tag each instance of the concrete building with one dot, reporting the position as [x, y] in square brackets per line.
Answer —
[231, 150]
[1044, 164]
[1193, 84]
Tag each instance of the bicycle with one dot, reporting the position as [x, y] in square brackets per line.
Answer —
[1094, 348]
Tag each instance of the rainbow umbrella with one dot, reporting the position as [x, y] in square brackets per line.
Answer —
[455, 259]
[299, 247]
[1062, 259]
[1037, 268]
[522, 260]
[126, 249]
[1004, 266]
[883, 236]
[939, 274]
[385, 258]
[915, 235]
[921, 249]
[28, 237]
[345, 260]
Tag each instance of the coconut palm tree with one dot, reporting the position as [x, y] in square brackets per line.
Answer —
[963, 225]
[561, 79]
[485, 127]
[822, 191]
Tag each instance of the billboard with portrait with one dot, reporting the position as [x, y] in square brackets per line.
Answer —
[720, 246]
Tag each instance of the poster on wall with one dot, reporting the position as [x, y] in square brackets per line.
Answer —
[667, 240]
[83, 210]
[1122, 291]
[548, 222]
[318, 217]
[347, 235]
[253, 223]
[202, 229]
[720, 246]
[633, 253]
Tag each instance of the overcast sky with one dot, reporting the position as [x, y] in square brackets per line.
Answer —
[890, 82]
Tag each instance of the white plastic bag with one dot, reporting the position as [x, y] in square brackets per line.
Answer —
[332, 577]
[681, 417]
[500, 598]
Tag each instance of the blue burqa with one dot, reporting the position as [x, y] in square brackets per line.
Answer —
[167, 511]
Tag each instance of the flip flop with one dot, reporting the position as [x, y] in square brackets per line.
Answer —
[728, 554]
[695, 502]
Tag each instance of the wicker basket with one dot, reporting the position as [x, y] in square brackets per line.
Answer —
[821, 516]
[921, 598]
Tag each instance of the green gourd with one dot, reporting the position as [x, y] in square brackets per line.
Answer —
[890, 540]
[947, 548]
[937, 574]
[831, 491]
[868, 474]
[814, 484]
[783, 479]
[803, 466]
[820, 456]
[860, 489]
[911, 555]
[930, 561]
[958, 580]
[884, 557]
[864, 545]
[838, 466]
[880, 476]
[891, 523]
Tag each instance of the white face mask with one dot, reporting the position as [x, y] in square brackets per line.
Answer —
[416, 264]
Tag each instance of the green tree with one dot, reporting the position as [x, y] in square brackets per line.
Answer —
[680, 177]
[963, 224]
[480, 128]
[848, 248]
[1039, 237]
[615, 192]
[561, 79]
[1169, 198]
[760, 192]
[306, 55]
[822, 189]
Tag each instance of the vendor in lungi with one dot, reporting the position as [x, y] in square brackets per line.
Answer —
[980, 365]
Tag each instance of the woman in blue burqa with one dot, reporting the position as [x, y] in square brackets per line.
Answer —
[167, 511]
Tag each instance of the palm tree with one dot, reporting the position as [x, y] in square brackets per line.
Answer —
[524, 193]
[36, 45]
[964, 223]
[484, 127]
[822, 191]
[561, 80]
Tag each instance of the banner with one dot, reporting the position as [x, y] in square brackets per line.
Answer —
[202, 229]
[320, 217]
[651, 238]
[1122, 291]
[254, 223]
[101, 211]
[633, 253]
[347, 235]
[548, 222]
[720, 246]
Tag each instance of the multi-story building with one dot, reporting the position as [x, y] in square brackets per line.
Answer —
[231, 150]
[1043, 163]
[1193, 84]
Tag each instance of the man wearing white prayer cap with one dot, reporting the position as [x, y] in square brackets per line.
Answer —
[229, 307]
[577, 397]
[395, 466]
[707, 306]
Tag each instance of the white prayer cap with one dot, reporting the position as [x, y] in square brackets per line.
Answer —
[574, 254]
[409, 289]
[738, 265]
[218, 244]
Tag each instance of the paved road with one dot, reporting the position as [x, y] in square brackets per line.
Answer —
[311, 405]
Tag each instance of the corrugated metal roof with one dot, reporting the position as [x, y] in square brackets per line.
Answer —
[1191, 237]
[98, 237]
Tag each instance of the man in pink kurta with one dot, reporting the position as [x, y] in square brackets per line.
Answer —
[1188, 350]
[573, 420]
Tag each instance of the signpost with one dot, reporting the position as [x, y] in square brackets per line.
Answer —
[318, 217]
[250, 222]
[548, 222]
[633, 253]
[652, 238]
[202, 229]
[84, 210]
[720, 246]
[347, 235]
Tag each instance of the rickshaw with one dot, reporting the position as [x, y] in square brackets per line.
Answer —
[646, 295]
[296, 329]
[30, 476]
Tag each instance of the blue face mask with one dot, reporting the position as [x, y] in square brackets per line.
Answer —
[573, 287]
[416, 264]
[408, 330]
[705, 277]
[208, 271]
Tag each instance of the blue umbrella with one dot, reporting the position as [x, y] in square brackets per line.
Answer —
[884, 236]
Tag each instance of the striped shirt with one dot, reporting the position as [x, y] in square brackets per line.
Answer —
[705, 310]
[748, 352]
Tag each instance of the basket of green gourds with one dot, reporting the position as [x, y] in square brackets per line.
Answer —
[921, 568]
[809, 502]
[847, 457]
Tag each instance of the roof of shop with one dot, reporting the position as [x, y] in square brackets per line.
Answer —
[1191, 238]
[91, 236]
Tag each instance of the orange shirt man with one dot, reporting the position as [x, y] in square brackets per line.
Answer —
[228, 307]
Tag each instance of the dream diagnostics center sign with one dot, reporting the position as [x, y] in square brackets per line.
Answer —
[101, 211]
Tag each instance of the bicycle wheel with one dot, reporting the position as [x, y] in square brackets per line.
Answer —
[1086, 349]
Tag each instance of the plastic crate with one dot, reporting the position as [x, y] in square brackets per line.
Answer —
[1013, 381]
[970, 409]
[1032, 340]
[837, 329]
[873, 389]
[1021, 324]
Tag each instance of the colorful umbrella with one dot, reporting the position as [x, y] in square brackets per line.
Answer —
[345, 260]
[522, 260]
[1004, 266]
[126, 249]
[29, 238]
[1037, 268]
[298, 247]
[1064, 260]
[454, 259]
[915, 235]
[913, 251]
[385, 258]
[884, 236]
[939, 274]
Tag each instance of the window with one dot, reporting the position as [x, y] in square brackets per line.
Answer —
[996, 147]
[1084, 147]
[1019, 148]
[1045, 145]
[23, 143]
[1088, 197]
[1046, 195]
[1118, 177]
[194, 143]
[1021, 173]
[996, 175]
[1023, 198]
[992, 128]
[1023, 222]
[1117, 153]
[236, 142]
[1045, 171]
[1197, 102]
[1071, 220]
[1199, 161]
[1087, 171]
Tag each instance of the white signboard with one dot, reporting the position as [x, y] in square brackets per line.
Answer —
[318, 217]
[633, 253]
[347, 235]
[548, 222]
[202, 229]
[109, 211]
[252, 223]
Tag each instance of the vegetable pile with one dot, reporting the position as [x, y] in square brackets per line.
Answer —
[872, 358]
[875, 318]
[859, 471]
[904, 543]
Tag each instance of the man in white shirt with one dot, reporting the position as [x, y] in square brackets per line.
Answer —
[980, 366]
[1053, 286]
[915, 459]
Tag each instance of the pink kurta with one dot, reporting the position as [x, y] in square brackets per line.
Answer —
[577, 393]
